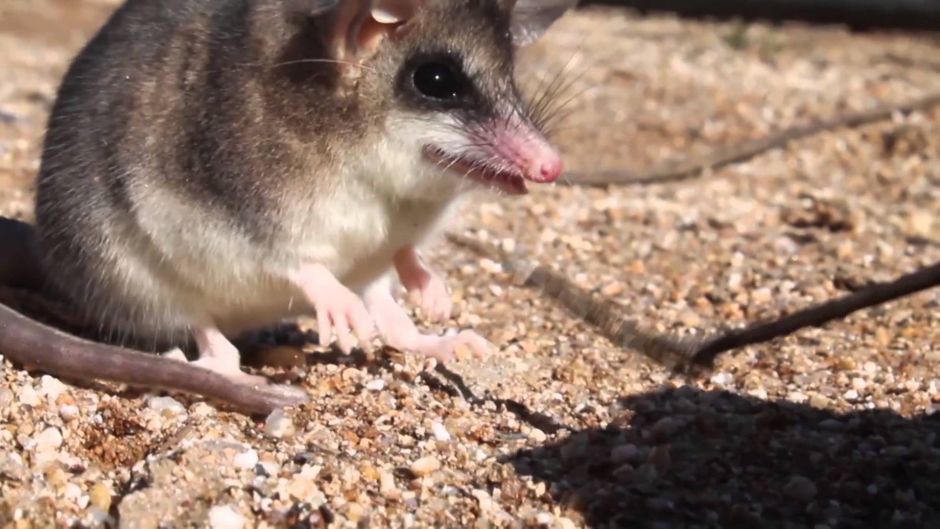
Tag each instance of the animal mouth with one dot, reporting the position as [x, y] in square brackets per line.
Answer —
[509, 181]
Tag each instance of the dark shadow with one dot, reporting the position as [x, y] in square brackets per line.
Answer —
[690, 458]
[860, 15]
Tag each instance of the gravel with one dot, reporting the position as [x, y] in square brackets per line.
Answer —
[830, 427]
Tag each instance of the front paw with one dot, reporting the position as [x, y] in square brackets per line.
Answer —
[448, 347]
[433, 299]
[341, 312]
[338, 310]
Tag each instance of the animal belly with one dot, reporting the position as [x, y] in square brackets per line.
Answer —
[258, 305]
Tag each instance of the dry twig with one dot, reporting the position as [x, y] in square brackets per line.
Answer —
[605, 315]
[817, 315]
[724, 156]
[678, 353]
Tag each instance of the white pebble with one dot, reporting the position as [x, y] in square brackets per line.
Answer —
[762, 295]
[6, 397]
[246, 460]
[483, 498]
[722, 379]
[167, 405]
[51, 387]
[759, 393]
[68, 412]
[375, 385]
[225, 517]
[934, 387]
[49, 438]
[440, 432]
[850, 395]
[278, 424]
[537, 435]
[72, 492]
[797, 397]
[425, 465]
[28, 396]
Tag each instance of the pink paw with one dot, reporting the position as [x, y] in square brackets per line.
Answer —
[339, 311]
[425, 288]
[445, 348]
[400, 332]
[433, 299]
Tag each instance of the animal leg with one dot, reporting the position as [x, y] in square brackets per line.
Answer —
[425, 287]
[218, 354]
[338, 309]
[400, 332]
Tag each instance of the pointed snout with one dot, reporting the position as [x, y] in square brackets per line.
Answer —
[545, 164]
[526, 149]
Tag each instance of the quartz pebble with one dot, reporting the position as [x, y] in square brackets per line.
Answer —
[166, 405]
[225, 517]
[246, 460]
[440, 432]
[278, 424]
[425, 465]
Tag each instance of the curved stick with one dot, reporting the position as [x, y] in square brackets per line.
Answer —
[820, 314]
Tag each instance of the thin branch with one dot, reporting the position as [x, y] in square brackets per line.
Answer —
[683, 354]
[723, 156]
[817, 315]
[604, 315]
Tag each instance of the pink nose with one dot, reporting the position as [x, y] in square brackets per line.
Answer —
[547, 167]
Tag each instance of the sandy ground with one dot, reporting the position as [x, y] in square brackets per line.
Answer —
[831, 427]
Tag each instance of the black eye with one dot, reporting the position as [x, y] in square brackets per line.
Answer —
[437, 80]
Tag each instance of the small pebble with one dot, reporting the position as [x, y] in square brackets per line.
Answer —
[225, 517]
[51, 387]
[68, 412]
[722, 379]
[486, 503]
[166, 406]
[377, 384]
[659, 457]
[762, 295]
[387, 487]
[797, 397]
[29, 397]
[100, 496]
[536, 435]
[623, 453]
[246, 460]
[49, 438]
[425, 466]
[440, 432]
[278, 424]
[666, 428]
[800, 488]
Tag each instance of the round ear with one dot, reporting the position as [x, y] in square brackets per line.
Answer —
[394, 11]
[530, 19]
[357, 27]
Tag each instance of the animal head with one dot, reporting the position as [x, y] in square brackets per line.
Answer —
[436, 78]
